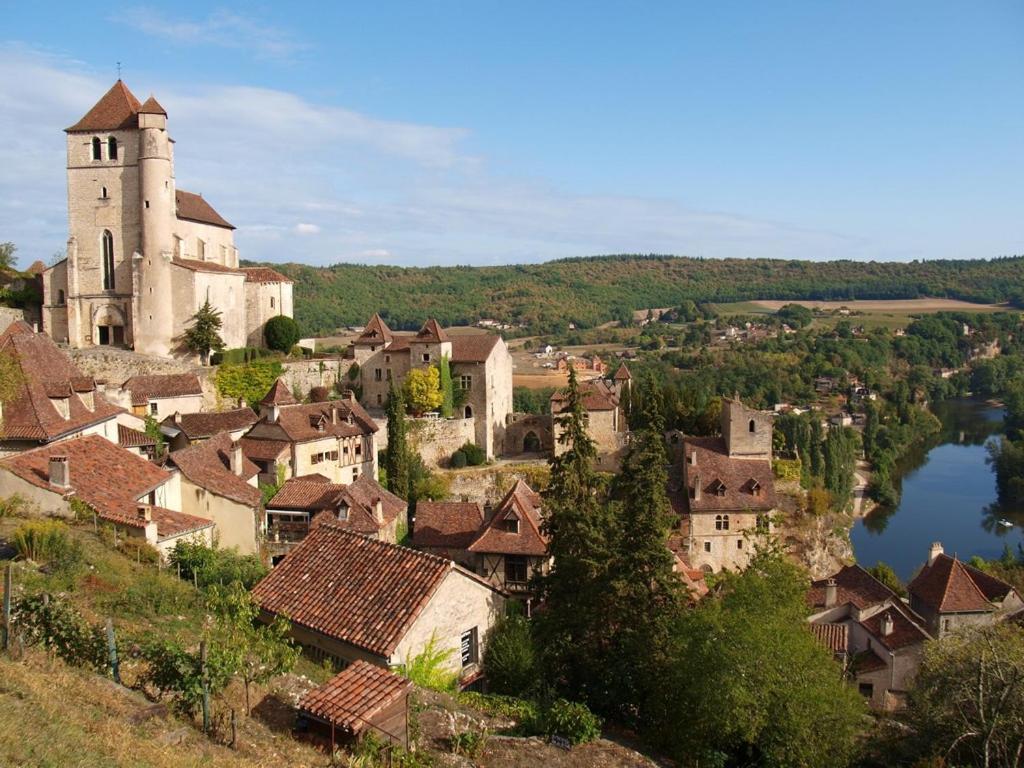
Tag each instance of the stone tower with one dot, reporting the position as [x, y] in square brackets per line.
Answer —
[747, 431]
[152, 263]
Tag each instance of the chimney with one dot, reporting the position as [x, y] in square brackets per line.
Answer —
[145, 513]
[35, 327]
[177, 418]
[696, 487]
[349, 395]
[693, 457]
[831, 593]
[60, 471]
[334, 414]
[378, 511]
[101, 386]
[236, 457]
[887, 624]
[934, 551]
[240, 402]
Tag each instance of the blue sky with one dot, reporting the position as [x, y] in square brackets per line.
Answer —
[494, 132]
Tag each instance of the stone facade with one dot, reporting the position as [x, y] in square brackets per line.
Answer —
[143, 256]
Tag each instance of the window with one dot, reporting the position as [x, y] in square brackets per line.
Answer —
[426, 357]
[108, 260]
[470, 649]
[103, 193]
[97, 148]
[154, 408]
[359, 450]
[111, 148]
[763, 524]
[378, 375]
[511, 524]
[200, 250]
[515, 569]
[739, 543]
[60, 296]
[466, 383]
[707, 546]
[751, 427]
[343, 512]
[721, 522]
[387, 358]
[867, 690]
[355, 474]
[379, 399]
[389, 374]
[271, 302]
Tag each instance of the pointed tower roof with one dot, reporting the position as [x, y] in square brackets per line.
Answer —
[152, 107]
[117, 109]
[432, 332]
[946, 586]
[523, 504]
[623, 373]
[278, 395]
[375, 332]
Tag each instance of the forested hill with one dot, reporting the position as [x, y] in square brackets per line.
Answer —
[590, 291]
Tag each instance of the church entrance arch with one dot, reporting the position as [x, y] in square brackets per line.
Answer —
[108, 326]
[531, 443]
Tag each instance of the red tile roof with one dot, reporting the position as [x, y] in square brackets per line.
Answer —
[375, 332]
[208, 465]
[854, 585]
[117, 109]
[152, 107]
[473, 347]
[353, 697]
[358, 590]
[596, 397]
[450, 525]
[197, 426]
[946, 586]
[107, 477]
[904, 631]
[264, 275]
[193, 207]
[133, 438]
[142, 388]
[867, 661]
[264, 450]
[171, 524]
[47, 372]
[207, 266]
[521, 503]
[431, 333]
[715, 468]
[306, 495]
[279, 394]
[623, 373]
[360, 497]
[314, 421]
[835, 637]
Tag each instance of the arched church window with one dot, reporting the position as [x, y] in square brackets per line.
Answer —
[108, 260]
[112, 148]
[97, 148]
[752, 427]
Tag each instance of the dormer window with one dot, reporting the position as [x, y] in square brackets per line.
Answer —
[511, 524]
[111, 148]
[97, 148]
[717, 488]
[755, 488]
[343, 512]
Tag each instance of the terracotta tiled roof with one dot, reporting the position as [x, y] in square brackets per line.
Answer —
[36, 268]
[359, 497]
[142, 388]
[450, 525]
[867, 661]
[133, 438]
[994, 589]
[105, 476]
[197, 426]
[596, 397]
[623, 373]
[714, 468]
[279, 394]
[306, 495]
[171, 524]
[361, 591]
[314, 421]
[47, 372]
[946, 586]
[208, 465]
[521, 503]
[854, 585]
[835, 637]
[375, 332]
[432, 333]
[152, 107]
[206, 266]
[194, 208]
[354, 696]
[264, 450]
[473, 347]
[264, 275]
[904, 631]
[117, 109]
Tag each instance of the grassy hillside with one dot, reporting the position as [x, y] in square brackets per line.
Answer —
[587, 292]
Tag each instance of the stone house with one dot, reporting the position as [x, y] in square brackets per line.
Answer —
[54, 399]
[950, 594]
[510, 546]
[606, 422]
[160, 395]
[185, 429]
[480, 364]
[219, 484]
[867, 625]
[335, 439]
[142, 255]
[447, 528]
[351, 598]
[363, 506]
[140, 499]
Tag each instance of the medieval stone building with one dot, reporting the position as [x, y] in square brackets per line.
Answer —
[142, 255]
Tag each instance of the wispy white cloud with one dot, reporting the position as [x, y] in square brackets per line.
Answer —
[221, 28]
[320, 183]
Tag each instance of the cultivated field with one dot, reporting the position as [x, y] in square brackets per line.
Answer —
[894, 306]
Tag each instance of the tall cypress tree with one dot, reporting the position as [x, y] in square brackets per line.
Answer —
[397, 458]
[572, 629]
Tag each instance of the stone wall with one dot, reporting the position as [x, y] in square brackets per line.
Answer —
[10, 315]
[437, 439]
[522, 425]
[115, 366]
[487, 485]
[306, 374]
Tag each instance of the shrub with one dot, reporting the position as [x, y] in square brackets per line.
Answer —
[510, 659]
[427, 668]
[149, 594]
[249, 382]
[459, 459]
[469, 742]
[787, 469]
[15, 506]
[281, 333]
[61, 628]
[520, 710]
[569, 719]
[319, 395]
[207, 566]
[475, 455]
[41, 541]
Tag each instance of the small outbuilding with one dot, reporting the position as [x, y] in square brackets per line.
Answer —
[361, 699]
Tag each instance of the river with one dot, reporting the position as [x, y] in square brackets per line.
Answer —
[949, 495]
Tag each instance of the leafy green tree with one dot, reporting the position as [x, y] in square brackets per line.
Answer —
[423, 390]
[840, 460]
[573, 630]
[203, 336]
[444, 372]
[968, 697]
[397, 459]
[7, 251]
[748, 683]
[250, 382]
[154, 432]
[885, 574]
[510, 658]
[281, 333]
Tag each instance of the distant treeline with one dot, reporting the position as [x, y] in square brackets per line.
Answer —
[590, 291]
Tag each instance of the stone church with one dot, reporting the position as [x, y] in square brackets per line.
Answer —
[142, 255]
